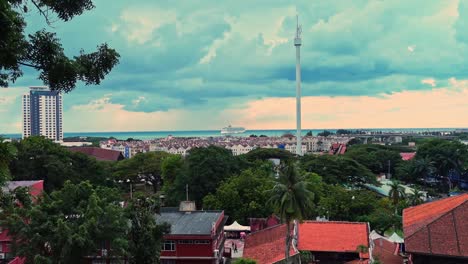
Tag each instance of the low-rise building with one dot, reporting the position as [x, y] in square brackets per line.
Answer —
[328, 242]
[437, 232]
[194, 237]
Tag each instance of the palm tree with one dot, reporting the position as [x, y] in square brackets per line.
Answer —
[291, 200]
[416, 197]
[396, 193]
[424, 167]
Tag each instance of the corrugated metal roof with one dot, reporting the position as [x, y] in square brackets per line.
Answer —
[193, 223]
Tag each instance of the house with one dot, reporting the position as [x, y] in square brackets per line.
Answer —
[386, 249]
[35, 189]
[437, 232]
[267, 245]
[329, 242]
[99, 153]
[195, 236]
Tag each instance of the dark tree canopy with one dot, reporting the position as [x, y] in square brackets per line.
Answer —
[43, 51]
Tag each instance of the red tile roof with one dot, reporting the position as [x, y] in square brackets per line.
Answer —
[438, 228]
[407, 156]
[266, 246]
[333, 236]
[99, 153]
[419, 216]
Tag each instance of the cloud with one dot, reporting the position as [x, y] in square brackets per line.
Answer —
[195, 55]
[429, 81]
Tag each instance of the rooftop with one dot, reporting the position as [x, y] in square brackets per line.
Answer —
[12, 185]
[99, 153]
[190, 223]
[419, 216]
[332, 236]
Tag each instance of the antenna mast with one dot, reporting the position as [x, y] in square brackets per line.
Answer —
[297, 44]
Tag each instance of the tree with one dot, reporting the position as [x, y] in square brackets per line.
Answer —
[325, 133]
[245, 195]
[396, 193]
[338, 169]
[309, 134]
[446, 155]
[267, 153]
[143, 166]
[206, 169]
[69, 224]
[7, 154]
[39, 158]
[145, 235]
[375, 157]
[291, 200]
[416, 197]
[43, 51]
[423, 167]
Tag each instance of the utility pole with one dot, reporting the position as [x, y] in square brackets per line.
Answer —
[186, 192]
[297, 44]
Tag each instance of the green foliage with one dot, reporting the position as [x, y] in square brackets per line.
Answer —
[171, 167]
[309, 134]
[145, 166]
[291, 199]
[206, 169]
[264, 154]
[325, 133]
[39, 158]
[145, 235]
[444, 155]
[69, 224]
[243, 196]
[375, 157]
[43, 51]
[340, 204]
[397, 192]
[383, 217]
[7, 154]
[416, 197]
[306, 256]
[338, 169]
[245, 261]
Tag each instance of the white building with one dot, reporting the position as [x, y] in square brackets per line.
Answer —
[42, 113]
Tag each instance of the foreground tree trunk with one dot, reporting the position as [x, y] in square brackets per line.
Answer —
[288, 242]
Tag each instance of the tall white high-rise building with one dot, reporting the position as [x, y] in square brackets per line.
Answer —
[42, 113]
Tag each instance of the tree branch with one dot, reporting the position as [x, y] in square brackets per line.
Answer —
[42, 13]
[29, 65]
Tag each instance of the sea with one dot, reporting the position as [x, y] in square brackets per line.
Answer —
[145, 135]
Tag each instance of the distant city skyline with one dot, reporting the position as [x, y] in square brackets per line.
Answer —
[201, 66]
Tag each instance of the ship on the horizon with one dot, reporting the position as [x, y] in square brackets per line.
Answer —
[232, 130]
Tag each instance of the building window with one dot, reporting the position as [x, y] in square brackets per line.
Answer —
[185, 241]
[202, 242]
[168, 245]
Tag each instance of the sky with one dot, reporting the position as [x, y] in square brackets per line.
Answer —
[196, 65]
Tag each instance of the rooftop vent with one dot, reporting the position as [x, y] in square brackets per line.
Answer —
[187, 206]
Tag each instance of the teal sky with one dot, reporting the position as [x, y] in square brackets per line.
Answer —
[189, 65]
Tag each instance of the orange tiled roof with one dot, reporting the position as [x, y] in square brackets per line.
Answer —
[266, 246]
[332, 236]
[419, 216]
[407, 155]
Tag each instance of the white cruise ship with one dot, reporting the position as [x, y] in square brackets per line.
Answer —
[232, 130]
